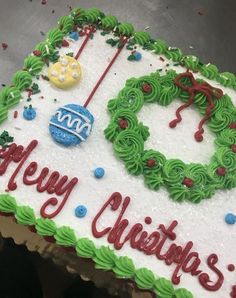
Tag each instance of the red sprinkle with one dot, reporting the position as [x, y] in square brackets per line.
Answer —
[7, 190]
[37, 53]
[233, 147]
[151, 163]
[123, 123]
[231, 267]
[162, 59]
[188, 182]
[65, 43]
[42, 97]
[232, 125]
[15, 115]
[200, 13]
[44, 2]
[147, 88]
[4, 45]
[221, 171]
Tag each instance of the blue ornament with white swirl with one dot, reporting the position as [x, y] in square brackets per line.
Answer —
[71, 125]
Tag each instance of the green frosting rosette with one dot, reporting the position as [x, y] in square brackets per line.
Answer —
[174, 171]
[163, 288]
[92, 15]
[45, 48]
[179, 192]
[153, 181]
[134, 165]
[3, 113]
[22, 79]
[141, 37]
[55, 36]
[113, 129]
[33, 65]
[209, 71]
[154, 87]
[66, 24]
[144, 278]
[158, 158]
[227, 137]
[221, 103]
[105, 258]
[45, 227]
[125, 29]
[124, 268]
[7, 203]
[166, 96]
[197, 173]
[182, 293]
[226, 158]
[65, 236]
[77, 14]
[174, 54]
[9, 96]
[109, 22]
[191, 62]
[227, 79]
[131, 98]
[25, 215]
[222, 119]
[85, 248]
[159, 46]
[128, 144]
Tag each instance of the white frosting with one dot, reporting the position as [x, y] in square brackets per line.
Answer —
[202, 223]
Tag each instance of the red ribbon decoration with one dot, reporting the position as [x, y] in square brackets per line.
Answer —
[205, 88]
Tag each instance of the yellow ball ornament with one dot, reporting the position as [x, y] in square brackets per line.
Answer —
[65, 73]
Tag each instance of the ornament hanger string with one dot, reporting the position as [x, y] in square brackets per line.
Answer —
[88, 31]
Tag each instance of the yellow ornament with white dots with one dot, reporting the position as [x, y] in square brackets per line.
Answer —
[65, 73]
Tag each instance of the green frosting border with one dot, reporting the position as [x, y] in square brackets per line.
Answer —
[104, 257]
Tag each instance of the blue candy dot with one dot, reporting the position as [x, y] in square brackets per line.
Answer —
[29, 113]
[137, 56]
[74, 35]
[230, 218]
[99, 173]
[80, 211]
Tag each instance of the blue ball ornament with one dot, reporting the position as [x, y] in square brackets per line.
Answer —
[99, 173]
[80, 211]
[71, 125]
[29, 113]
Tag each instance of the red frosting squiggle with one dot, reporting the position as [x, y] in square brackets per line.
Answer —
[156, 243]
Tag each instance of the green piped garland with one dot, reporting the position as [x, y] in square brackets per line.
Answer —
[104, 257]
[185, 182]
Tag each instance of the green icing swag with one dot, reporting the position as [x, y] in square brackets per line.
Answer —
[104, 257]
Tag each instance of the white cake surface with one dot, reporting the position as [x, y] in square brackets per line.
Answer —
[201, 223]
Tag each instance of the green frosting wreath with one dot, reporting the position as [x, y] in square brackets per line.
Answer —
[192, 182]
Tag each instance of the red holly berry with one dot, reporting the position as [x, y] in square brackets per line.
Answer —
[37, 53]
[232, 125]
[65, 43]
[188, 182]
[151, 163]
[147, 88]
[221, 171]
[123, 123]
[233, 147]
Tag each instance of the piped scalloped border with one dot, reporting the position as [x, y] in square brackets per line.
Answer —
[103, 257]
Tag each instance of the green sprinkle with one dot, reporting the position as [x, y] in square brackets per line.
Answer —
[71, 54]
[131, 58]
